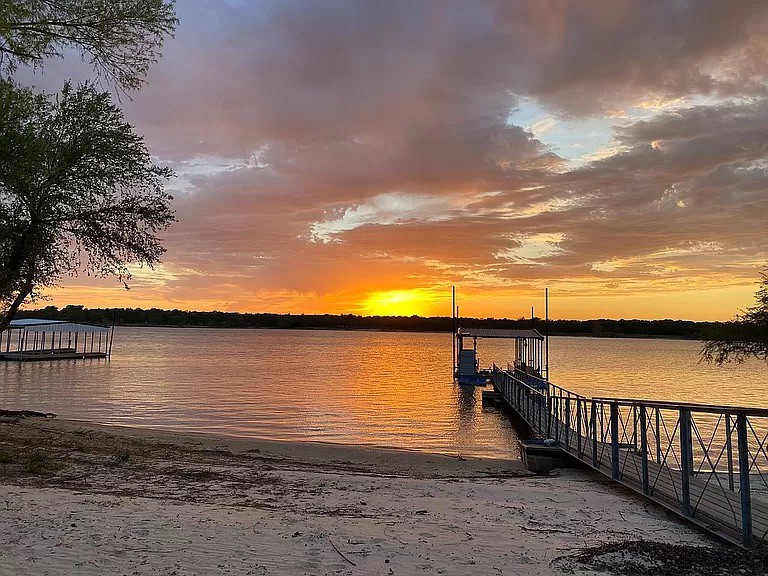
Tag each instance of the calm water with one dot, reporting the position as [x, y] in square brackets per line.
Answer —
[388, 389]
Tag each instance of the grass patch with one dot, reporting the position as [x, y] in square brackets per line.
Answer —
[120, 458]
[6, 457]
[40, 464]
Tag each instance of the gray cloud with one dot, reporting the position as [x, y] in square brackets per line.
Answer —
[312, 112]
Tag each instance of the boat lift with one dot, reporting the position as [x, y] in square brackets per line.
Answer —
[530, 357]
[528, 354]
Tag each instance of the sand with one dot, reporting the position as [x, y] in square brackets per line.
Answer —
[77, 498]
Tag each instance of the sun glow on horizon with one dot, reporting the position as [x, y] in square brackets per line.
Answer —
[693, 302]
[397, 303]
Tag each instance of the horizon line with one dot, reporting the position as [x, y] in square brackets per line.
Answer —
[518, 319]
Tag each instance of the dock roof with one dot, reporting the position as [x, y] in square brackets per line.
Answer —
[44, 325]
[500, 333]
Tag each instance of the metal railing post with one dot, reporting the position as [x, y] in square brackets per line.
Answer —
[578, 427]
[634, 426]
[744, 488]
[594, 434]
[729, 450]
[532, 408]
[539, 410]
[525, 408]
[549, 416]
[685, 459]
[615, 441]
[644, 449]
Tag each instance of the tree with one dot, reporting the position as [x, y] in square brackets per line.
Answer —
[746, 337]
[121, 38]
[78, 192]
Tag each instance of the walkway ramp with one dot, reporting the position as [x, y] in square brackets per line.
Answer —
[706, 463]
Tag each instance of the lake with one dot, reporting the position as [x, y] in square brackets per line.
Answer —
[378, 388]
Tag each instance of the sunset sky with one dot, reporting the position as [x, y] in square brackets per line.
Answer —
[364, 156]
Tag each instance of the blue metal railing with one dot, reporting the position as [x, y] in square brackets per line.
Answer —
[708, 463]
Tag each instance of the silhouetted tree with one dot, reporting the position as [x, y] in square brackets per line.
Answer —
[78, 192]
[120, 38]
[746, 337]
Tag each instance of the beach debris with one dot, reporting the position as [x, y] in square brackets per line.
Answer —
[659, 559]
[340, 552]
[8, 415]
[545, 530]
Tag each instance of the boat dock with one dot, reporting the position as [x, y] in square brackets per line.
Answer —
[708, 464]
[31, 340]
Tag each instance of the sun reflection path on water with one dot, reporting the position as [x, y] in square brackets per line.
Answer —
[375, 388]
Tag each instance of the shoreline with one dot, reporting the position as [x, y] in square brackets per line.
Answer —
[617, 336]
[307, 451]
[90, 498]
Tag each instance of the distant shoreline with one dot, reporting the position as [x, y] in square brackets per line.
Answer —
[156, 318]
[400, 331]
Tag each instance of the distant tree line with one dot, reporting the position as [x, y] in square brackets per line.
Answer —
[184, 318]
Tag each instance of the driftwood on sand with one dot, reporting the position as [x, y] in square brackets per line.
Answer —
[10, 416]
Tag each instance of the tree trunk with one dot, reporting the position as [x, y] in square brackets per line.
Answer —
[10, 273]
[24, 291]
[12, 266]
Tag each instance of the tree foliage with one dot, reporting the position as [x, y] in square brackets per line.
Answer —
[746, 337]
[120, 38]
[156, 317]
[78, 191]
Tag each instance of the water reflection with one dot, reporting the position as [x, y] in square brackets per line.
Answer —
[353, 387]
[465, 410]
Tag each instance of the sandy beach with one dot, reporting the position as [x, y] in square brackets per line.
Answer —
[79, 498]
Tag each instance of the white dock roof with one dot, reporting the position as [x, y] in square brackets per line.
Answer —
[43, 325]
[500, 333]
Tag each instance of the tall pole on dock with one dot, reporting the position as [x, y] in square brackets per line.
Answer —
[453, 333]
[457, 339]
[546, 332]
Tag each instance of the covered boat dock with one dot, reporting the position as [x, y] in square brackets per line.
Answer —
[529, 353]
[40, 339]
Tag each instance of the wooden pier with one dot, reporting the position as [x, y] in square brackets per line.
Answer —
[709, 464]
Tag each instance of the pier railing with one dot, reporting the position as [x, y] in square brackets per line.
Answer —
[707, 463]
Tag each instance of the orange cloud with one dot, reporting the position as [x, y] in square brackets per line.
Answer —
[360, 157]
